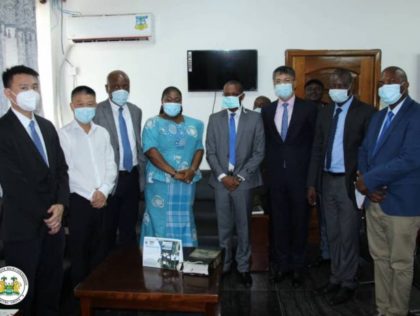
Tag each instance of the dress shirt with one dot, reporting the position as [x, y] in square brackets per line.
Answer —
[90, 158]
[395, 111]
[337, 155]
[25, 123]
[130, 131]
[279, 112]
[236, 118]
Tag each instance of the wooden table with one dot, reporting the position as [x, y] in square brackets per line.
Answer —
[121, 282]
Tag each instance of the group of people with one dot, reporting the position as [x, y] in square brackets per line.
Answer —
[94, 168]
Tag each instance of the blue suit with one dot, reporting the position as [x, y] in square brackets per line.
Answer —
[396, 161]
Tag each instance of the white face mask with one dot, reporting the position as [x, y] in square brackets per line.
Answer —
[28, 100]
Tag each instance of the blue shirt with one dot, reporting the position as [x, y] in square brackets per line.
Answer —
[337, 157]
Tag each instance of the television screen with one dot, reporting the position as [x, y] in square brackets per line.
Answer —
[209, 70]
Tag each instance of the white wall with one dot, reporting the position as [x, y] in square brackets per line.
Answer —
[271, 26]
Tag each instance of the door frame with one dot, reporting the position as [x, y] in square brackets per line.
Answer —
[375, 53]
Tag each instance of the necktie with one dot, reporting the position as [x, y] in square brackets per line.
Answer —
[127, 154]
[37, 141]
[331, 138]
[284, 122]
[387, 124]
[232, 139]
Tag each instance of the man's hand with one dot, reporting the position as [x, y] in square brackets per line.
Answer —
[231, 183]
[311, 196]
[360, 184]
[54, 221]
[98, 199]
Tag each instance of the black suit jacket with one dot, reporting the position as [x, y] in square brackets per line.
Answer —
[30, 186]
[355, 128]
[294, 152]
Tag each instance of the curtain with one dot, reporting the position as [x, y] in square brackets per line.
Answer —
[18, 44]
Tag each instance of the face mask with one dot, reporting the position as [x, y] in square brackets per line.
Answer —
[84, 115]
[172, 109]
[28, 100]
[284, 90]
[338, 95]
[119, 97]
[231, 102]
[258, 110]
[389, 93]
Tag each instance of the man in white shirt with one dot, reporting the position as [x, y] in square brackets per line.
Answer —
[122, 120]
[92, 174]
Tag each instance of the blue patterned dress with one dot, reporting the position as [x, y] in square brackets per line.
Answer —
[169, 202]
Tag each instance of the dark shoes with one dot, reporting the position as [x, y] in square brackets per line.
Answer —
[246, 278]
[329, 288]
[343, 295]
[279, 276]
[319, 261]
[297, 279]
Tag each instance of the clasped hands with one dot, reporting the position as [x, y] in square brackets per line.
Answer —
[231, 183]
[376, 196]
[185, 175]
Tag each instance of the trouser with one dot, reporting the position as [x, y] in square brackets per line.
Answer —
[41, 259]
[392, 242]
[233, 210]
[123, 210]
[343, 223]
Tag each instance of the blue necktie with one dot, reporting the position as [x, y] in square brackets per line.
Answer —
[331, 138]
[284, 122]
[232, 139]
[386, 127]
[127, 154]
[37, 141]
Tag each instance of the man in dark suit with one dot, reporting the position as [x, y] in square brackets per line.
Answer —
[289, 124]
[235, 149]
[122, 120]
[33, 174]
[389, 166]
[340, 130]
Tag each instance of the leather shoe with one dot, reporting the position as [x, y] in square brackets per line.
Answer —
[246, 278]
[297, 279]
[328, 289]
[342, 296]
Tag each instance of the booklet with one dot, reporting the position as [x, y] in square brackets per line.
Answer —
[164, 253]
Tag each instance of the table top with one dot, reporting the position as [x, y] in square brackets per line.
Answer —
[122, 276]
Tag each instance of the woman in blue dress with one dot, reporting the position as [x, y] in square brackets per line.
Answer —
[173, 144]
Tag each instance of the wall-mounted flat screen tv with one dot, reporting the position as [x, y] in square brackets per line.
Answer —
[209, 70]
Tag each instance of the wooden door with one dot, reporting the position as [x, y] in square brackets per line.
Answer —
[365, 65]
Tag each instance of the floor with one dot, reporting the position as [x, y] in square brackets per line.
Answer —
[265, 298]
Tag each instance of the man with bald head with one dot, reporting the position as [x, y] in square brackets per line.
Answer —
[122, 120]
[389, 176]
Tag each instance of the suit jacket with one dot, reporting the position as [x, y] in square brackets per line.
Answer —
[30, 186]
[105, 118]
[294, 152]
[249, 147]
[355, 128]
[396, 161]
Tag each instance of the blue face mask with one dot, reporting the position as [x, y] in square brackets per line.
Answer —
[231, 102]
[390, 93]
[283, 90]
[338, 95]
[119, 97]
[84, 115]
[172, 109]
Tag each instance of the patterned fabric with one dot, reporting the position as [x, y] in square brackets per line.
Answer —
[169, 202]
[18, 42]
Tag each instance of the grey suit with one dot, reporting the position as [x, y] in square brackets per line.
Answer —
[122, 213]
[234, 208]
